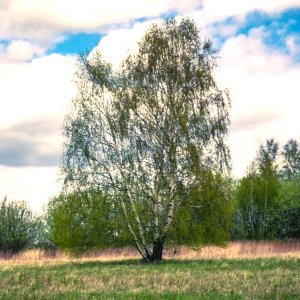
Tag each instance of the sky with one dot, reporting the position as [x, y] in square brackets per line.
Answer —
[258, 42]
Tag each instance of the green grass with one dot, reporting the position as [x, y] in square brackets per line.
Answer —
[132, 279]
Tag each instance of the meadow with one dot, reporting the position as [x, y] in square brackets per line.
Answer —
[242, 270]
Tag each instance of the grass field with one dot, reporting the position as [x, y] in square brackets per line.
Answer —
[271, 271]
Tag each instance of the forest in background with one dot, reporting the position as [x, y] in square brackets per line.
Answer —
[265, 206]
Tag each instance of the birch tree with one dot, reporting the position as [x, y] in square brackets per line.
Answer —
[147, 133]
[257, 192]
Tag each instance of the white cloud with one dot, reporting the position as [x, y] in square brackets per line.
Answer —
[292, 45]
[264, 89]
[19, 51]
[44, 20]
[215, 10]
[31, 94]
[45, 23]
[37, 89]
[117, 43]
[34, 185]
[224, 30]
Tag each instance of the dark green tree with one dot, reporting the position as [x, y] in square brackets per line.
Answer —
[146, 134]
[18, 226]
[291, 160]
[286, 219]
[257, 192]
[205, 217]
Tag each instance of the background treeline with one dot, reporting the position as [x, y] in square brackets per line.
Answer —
[20, 229]
[264, 204]
[268, 196]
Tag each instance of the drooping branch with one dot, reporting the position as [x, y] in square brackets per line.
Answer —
[146, 134]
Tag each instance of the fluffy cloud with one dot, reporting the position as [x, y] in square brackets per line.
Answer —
[35, 97]
[36, 89]
[292, 44]
[215, 10]
[32, 26]
[263, 87]
[46, 22]
[32, 184]
[119, 42]
[19, 51]
[46, 19]
[34, 143]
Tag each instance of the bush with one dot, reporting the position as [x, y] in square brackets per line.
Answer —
[81, 221]
[18, 226]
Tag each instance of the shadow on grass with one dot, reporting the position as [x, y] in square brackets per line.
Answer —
[209, 265]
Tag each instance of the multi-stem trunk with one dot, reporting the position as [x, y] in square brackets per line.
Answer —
[157, 252]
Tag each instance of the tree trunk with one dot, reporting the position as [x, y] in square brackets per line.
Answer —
[158, 247]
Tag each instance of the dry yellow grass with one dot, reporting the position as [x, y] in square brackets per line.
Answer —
[234, 250]
[244, 249]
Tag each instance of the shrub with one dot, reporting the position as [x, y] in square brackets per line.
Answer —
[17, 226]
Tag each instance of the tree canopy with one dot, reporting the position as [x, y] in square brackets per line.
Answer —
[151, 133]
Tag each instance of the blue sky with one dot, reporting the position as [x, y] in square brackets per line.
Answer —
[259, 48]
[279, 27]
[77, 43]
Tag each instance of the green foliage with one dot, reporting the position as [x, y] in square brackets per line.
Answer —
[268, 197]
[257, 193]
[206, 216]
[291, 160]
[84, 220]
[18, 227]
[285, 218]
[145, 133]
